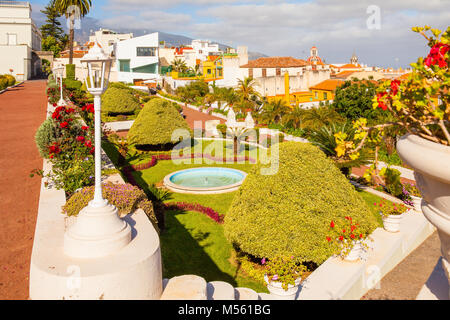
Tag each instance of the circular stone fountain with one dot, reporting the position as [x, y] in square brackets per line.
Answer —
[205, 180]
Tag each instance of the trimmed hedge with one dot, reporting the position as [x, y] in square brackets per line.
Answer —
[70, 71]
[289, 213]
[3, 83]
[155, 124]
[117, 101]
[72, 84]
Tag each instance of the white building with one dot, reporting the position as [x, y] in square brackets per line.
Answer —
[204, 48]
[269, 73]
[107, 38]
[20, 40]
[137, 58]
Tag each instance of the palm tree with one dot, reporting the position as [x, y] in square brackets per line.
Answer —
[230, 96]
[67, 7]
[247, 93]
[294, 118]
[275, 111]
[318, 117]
[179, 65]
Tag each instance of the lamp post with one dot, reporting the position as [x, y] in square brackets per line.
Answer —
[98, 230]
[59, 73]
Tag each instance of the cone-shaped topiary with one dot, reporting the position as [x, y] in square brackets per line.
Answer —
[155, 124]
[289, 213]
[119, 101]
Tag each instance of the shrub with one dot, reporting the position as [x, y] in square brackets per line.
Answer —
[392, 181]
[11, 80]
[117, 101]
[3, 83]
[45, 136]
[70, 71]
[72, 84]
[155, 124]
[222, 128]
[125, 197]
[288, 213]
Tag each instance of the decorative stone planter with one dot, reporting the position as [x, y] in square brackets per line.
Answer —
[276, 288]
[392, 223]
[417, 203]
[355, 253]
[431, 164]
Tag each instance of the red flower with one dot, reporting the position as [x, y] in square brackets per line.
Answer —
[80, 138]
[332, 224]
[394, 86]
[84, 128]
[64, 124]
[437, 55]
[341, 238]
[361, 236]
[92, 151]
[328, 239]
[352, 236]
[353, 228]
[88, 144]
[381, 103]
[343, 230]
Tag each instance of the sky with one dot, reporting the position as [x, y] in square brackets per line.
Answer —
[378, 31]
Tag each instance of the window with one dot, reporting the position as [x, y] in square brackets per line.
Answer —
[12, 39]
[278, 71]
[209, 71]
[325, 96]
[316, 94]
[124, 65]
[250, 73]
[264, 73]
[146, 52]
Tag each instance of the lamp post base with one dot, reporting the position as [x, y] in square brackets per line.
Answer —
[98, 232]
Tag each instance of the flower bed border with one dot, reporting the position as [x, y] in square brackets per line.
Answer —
[217, 217]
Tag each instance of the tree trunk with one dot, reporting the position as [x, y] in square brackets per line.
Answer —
[71, 36]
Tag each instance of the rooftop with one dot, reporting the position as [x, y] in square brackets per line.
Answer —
[275, 62]
[328, 85]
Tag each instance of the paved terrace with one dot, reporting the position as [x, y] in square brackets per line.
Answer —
[22, 111]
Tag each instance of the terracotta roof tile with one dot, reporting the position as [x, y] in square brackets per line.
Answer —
[328, 85]
[275, 62]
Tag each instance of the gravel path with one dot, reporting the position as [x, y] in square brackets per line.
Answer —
[22, 111]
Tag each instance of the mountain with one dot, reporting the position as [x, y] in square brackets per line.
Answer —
[89, 25]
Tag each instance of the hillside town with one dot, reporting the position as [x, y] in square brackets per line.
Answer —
[136, 169]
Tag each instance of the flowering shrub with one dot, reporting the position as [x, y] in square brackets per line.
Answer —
[412, 190]
[283, 269]
[344, 235]
[125, 197]
[420, 104]
[197, 208]
[70, 150]
[390, 209]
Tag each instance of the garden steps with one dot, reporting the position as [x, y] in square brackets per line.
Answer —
[219, 290]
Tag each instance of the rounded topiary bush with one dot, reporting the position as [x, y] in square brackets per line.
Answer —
[11, 80]
[117, 101]
[3, 83]
[155, 124]
[45, 136]
[289, 213]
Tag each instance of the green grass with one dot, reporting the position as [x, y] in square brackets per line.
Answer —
[192, 242]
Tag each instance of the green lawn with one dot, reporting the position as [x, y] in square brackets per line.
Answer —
[192, 242]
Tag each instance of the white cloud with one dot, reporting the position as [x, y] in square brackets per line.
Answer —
[337, 28]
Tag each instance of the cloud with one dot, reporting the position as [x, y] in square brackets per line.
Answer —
[290, 28]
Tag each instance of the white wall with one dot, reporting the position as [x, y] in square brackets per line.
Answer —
[17, 58]
[127, 50]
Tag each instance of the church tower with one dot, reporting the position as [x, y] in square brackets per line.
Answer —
[354, 59]
[314, 58]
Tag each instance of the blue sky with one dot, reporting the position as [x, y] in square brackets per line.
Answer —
[379, 35]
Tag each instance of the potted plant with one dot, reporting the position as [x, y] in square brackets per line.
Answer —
[283, 276]
[415, 196]
[349, 240]
[420, 105]
[392, 214]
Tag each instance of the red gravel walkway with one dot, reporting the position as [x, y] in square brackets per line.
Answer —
[22, 111]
